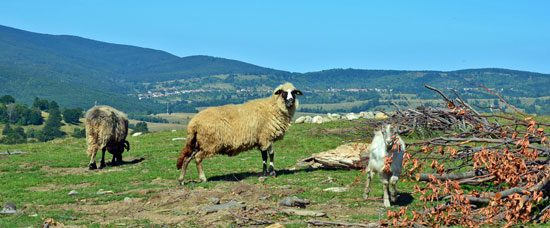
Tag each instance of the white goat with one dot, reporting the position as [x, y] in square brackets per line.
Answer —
[386, 143]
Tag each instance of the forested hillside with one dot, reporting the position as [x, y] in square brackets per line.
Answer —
[79, 72]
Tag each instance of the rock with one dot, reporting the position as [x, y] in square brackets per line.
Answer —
[178, 139]
[275, 225]
[127, 199]
[308, 119]
[380, 115]
[317, 120]
[335, 189]
[300, 119]
[101, 192]
[293, 201]
[214, 200]
[73, 192]
[137, 134]
[351, 116]
[173, 130]
[223, 206]
[264, 198]
[367, 115]
[303, 212]
[325, 119]
[332, 116]
[9, 208]
[262, 179]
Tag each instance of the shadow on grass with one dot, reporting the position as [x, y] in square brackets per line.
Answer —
[135, 161]
[403, 199]
[246, 175]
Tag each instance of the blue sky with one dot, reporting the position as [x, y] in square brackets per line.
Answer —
[304, 36]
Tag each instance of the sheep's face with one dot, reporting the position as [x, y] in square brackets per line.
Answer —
[288, 96]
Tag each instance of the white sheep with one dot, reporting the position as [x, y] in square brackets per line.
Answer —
[386, 144]
[232, 129]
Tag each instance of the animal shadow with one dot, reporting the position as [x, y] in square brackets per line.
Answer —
[245, 175]
[135, 161]
[403, 199]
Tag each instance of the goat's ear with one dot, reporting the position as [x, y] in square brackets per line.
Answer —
[278, 92]
[298, 92]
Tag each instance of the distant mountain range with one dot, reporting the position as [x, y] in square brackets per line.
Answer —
[77, 72]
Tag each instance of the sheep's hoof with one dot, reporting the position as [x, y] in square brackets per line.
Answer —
[272, 171]
[101, 165]
[92, 166]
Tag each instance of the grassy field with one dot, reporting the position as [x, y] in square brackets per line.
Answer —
[145, 191]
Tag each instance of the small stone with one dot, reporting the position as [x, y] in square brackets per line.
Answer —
[304, 212]
[335, 189]
[264, 198]
[224, 206]
[101, 192]
[73, 192]
[262, 179]
[9, 208]
[214, 200]
[275, 225]
[293, 201]
[137, 134]
[178, 139]
[127, 199]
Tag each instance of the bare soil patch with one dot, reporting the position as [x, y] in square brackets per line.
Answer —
[180, 205]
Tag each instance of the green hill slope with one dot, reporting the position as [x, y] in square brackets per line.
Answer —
[77, 72]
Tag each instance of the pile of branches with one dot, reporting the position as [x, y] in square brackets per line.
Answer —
[486, 169]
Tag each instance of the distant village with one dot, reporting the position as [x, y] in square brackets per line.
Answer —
[166, 92]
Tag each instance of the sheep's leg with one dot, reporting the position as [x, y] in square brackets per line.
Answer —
[92, 151]
[102, 164]
[367, 184]
[113, 162]
[393, 190]
[264, 157]
[184, 165]
[202, 177]
[119, 158]
[271, 160]
[386, 194]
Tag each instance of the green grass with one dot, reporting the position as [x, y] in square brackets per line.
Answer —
[40, 180]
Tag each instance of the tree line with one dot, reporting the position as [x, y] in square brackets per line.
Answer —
[20, 115]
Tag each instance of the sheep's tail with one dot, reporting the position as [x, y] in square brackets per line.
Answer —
[188, 149]
[127, 145]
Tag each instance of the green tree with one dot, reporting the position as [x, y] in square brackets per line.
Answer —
[13, 136]
[72, 115]
[52, 127]
[7, 129]
[141, 127]
[7, 99]
[79, 133]
[53, 106]
[41, 104]
[35, 117]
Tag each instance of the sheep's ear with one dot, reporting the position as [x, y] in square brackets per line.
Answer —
[298, 92]
[278, 92]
